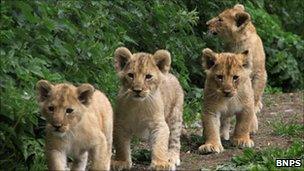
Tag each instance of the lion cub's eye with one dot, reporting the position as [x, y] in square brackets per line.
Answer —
[235, 77]
[131, 75]
[51, 108]
[220, 77]
[220, 19]
[148, 76]
[69, 110]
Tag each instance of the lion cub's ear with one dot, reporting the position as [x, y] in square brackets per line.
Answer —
[247, 60]
[209, 58]
[43, 88]
[163, 60]
[122, 56]
[242, 19]
[85, 93]
[239, 6]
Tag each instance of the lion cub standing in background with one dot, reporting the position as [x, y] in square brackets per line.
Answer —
[227, 92]
[79, 125]
[150, 101]
[235, 27]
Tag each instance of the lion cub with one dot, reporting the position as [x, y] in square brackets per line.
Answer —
[150, 102]
[79, 125]
[227, 92]
[235, 27]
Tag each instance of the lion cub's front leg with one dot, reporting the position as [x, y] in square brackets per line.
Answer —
[211, 123]
[123, 151]
[241, 137]
[56, 160]
[225, 127]
[160, 139]
[99, 155]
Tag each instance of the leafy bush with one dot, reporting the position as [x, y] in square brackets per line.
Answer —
[284, 50]
[74, 41]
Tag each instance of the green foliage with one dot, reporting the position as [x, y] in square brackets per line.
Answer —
[265, 159]
[291, 129]
[273, 90]
[142, 156]
[193, 106]
[290, 13]
[74, 41]
[284, 50]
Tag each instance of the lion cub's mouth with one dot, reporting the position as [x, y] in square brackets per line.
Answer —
[58, 130]
[138, 97]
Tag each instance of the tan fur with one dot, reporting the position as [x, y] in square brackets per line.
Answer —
[227, 92]
[83, 117]
[150, 102]
[235, 27]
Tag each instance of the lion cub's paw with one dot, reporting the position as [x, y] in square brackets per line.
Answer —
[243, 142]
[175, 158]
[163, 166]
[211, 148]
[120, 165]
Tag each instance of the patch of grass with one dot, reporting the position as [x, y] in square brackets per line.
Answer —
[288, 129]
[142, 156]
[268, 101]
[265, 159]
[273, 90]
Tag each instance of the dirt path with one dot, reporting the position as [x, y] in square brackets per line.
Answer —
[286, 107]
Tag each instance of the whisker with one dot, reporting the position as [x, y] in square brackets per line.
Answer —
[72, 133]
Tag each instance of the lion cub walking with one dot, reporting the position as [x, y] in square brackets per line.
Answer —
[79, 124]
[150, 101]
[227, 92]
[235, 27]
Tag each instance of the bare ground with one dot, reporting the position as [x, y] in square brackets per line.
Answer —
[288, 108]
